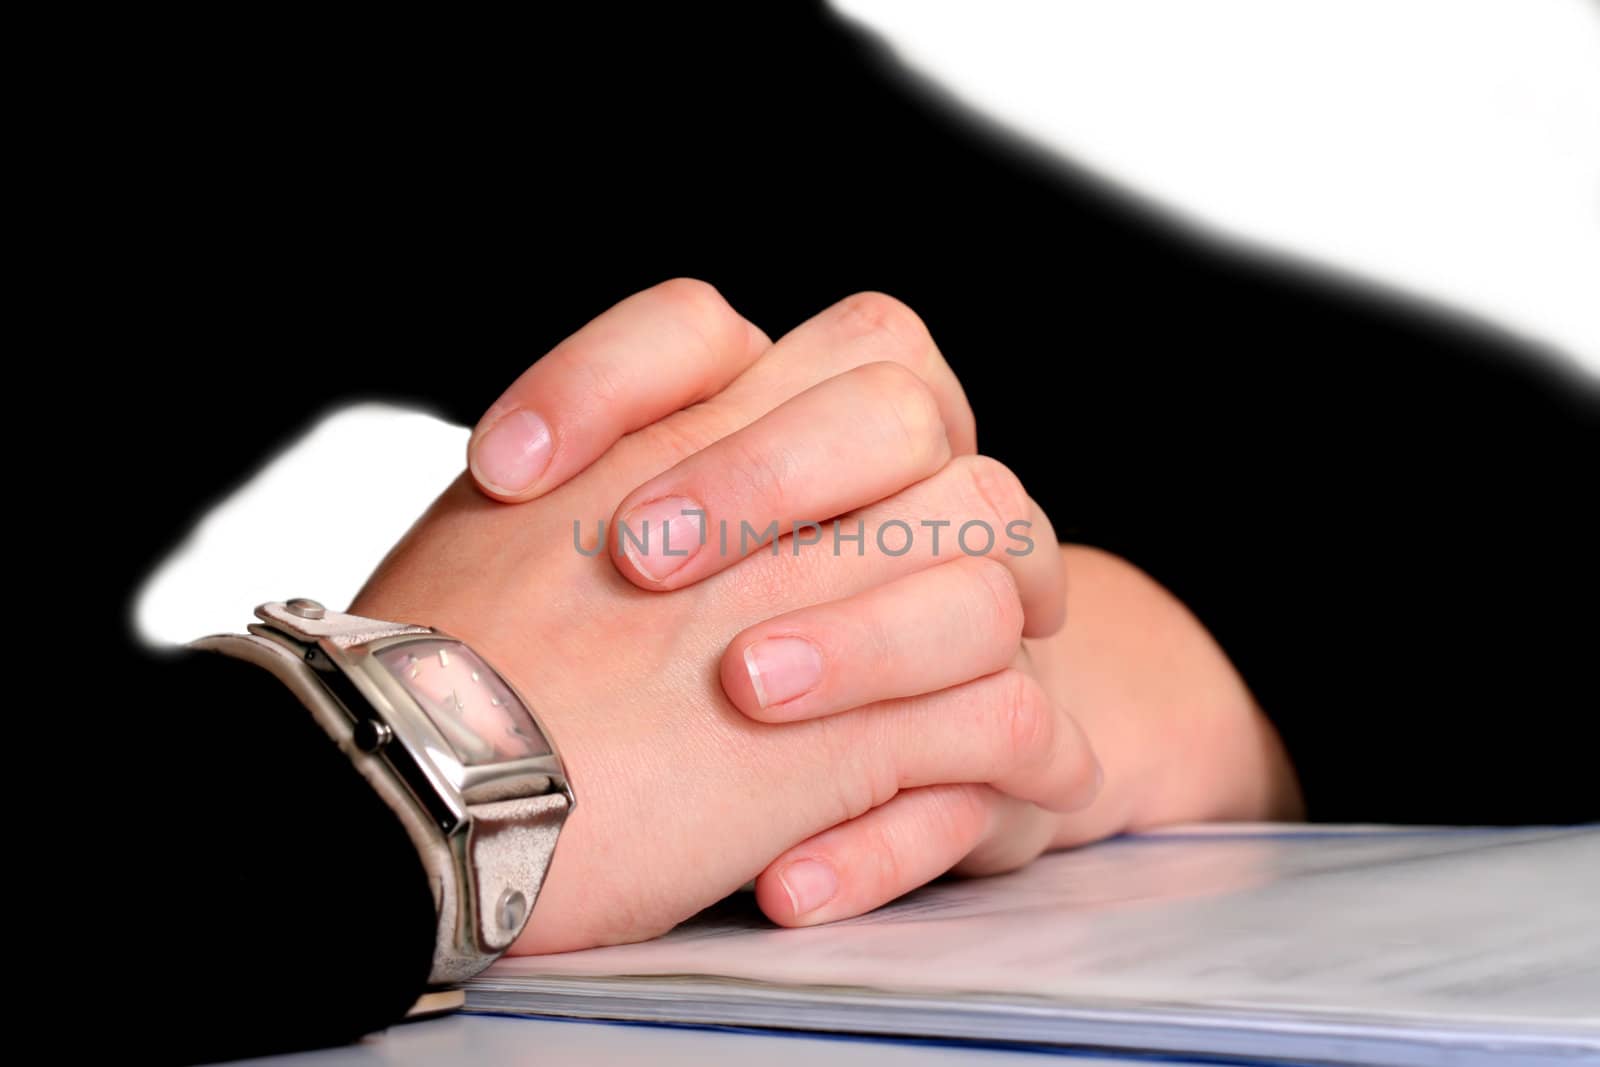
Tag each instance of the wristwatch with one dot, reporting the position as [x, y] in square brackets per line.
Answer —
[458, 757]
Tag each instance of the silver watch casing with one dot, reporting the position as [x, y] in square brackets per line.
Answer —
[485, 833]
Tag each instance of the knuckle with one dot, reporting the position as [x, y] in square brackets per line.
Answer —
[1000, 601]
[995, 491]
[881, 777]
[1044, 745]
[853, 798]
[700, 308]
[909, 405]
[869, 775]
[881, 319]
[1026, 727]
[692, 298]
[886, 328]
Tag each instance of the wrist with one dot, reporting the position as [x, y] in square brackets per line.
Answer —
[1176, 728]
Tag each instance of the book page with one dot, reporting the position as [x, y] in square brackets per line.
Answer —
[1485, 927]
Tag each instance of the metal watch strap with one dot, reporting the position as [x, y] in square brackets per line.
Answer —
[510, 842]
[311, 619]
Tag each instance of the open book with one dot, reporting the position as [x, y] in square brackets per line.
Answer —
[1359, 945]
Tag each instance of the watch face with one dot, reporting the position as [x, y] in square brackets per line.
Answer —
[476, 712]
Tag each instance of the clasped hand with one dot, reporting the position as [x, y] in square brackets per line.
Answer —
[840, 712]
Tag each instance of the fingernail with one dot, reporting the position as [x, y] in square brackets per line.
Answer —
[809, 883]
[782, 668]
[658, 538]
[512, 455]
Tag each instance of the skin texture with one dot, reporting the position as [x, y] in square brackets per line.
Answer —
[1177, 733]
[928, 735]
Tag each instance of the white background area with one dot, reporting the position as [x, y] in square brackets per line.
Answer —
[1449, 149]
[303, 526]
